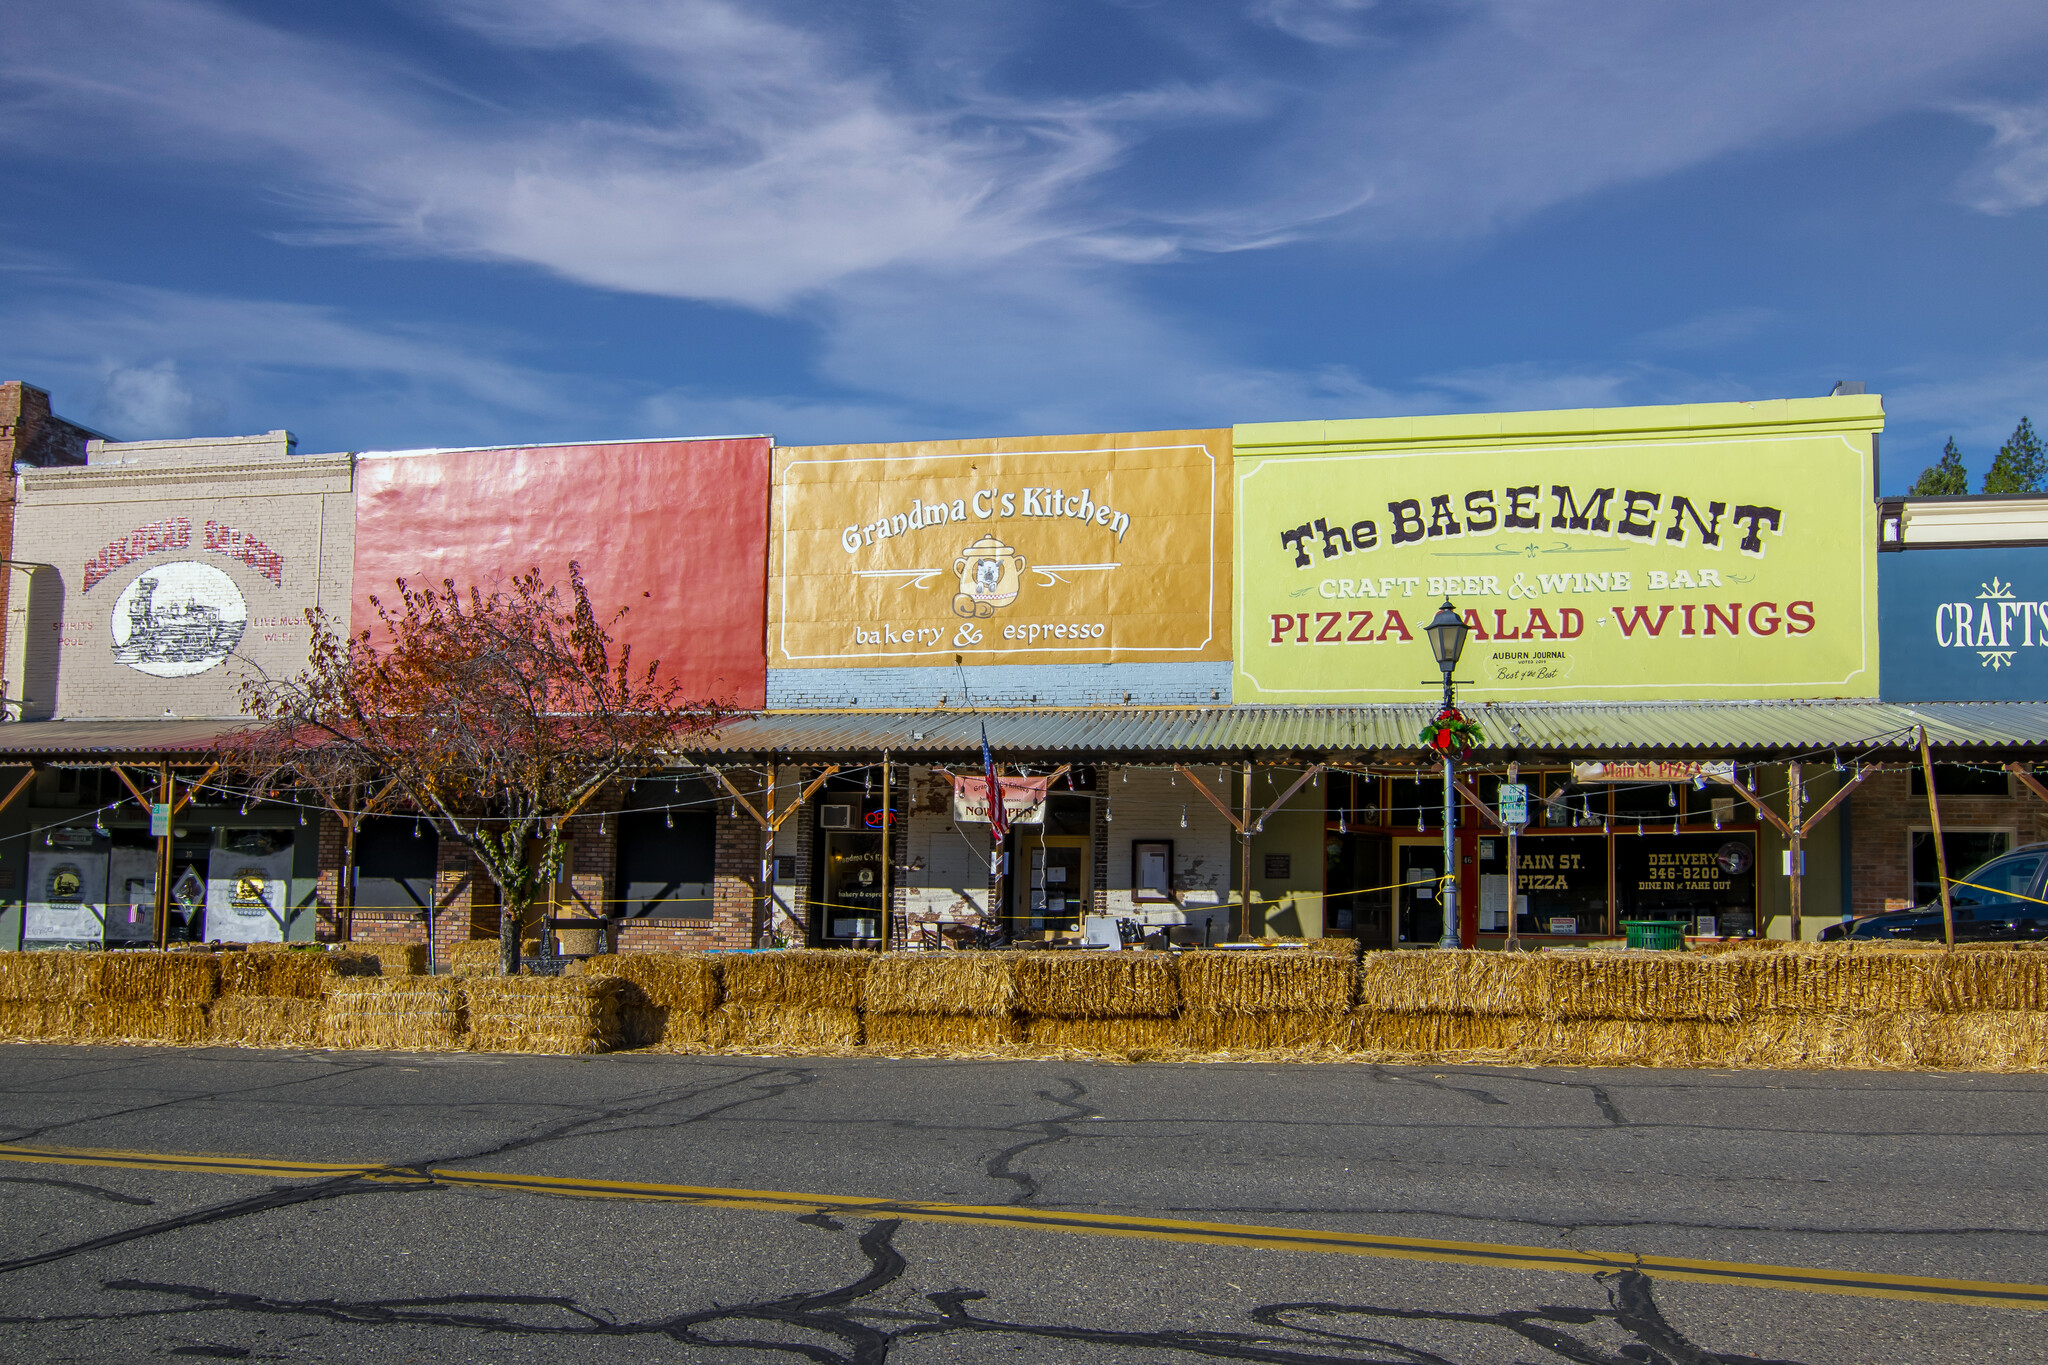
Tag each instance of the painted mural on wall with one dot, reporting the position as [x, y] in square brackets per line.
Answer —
[1964, 623]
[1686, 552]
[178, 619]
[1077, 549]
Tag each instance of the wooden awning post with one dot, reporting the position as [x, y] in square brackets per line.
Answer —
[888, 882]
[1795, 849]
[1948, 914]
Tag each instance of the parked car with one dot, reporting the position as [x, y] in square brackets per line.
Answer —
[2000, 899]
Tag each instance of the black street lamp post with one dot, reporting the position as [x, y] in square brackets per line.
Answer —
[1447, 632]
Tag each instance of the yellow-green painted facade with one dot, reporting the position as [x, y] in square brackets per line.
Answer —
[1722, 550]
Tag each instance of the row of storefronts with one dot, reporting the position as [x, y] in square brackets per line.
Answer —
[1197, 654]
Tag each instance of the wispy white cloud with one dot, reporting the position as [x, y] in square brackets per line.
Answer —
[2013, 172]
[147, 362]
[1709, 331]
[1330, 22]
[968, 249]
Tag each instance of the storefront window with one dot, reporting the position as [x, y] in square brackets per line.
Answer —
[1561, 880]
[1707, 880]
[1965, 850]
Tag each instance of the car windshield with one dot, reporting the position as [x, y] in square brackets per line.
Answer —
[2001, 879]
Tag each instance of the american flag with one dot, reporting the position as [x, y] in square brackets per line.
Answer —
[998, 813]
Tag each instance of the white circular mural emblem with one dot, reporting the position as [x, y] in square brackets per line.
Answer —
[178, 619]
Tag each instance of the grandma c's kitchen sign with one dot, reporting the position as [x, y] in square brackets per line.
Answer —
[1065, 549]
[1713, 550]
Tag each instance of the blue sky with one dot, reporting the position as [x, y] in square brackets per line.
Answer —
[480, 221]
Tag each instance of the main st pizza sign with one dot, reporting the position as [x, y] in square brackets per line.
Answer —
[1728, 553]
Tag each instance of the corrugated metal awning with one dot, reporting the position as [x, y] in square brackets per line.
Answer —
[1751, 730]
[113, 739]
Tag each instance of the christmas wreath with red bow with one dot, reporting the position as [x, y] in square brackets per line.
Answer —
[1451, 731]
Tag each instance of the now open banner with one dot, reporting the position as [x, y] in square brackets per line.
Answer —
[1689, 552]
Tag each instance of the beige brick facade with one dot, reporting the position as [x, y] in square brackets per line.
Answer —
[175, 570]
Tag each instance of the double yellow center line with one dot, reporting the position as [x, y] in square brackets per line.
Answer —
[1497, 1256]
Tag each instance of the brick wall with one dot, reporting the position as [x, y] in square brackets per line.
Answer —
[1885, 812]
[29, 434]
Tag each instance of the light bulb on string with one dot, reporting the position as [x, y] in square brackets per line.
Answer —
[302, 818]
[1127, 775]
[668, 819]
[1639, 829]
[1342, 828]
[1108, 815]
[600, 824]
[867, 783]
[1183, 816]
[1671, 797]
[415, 829]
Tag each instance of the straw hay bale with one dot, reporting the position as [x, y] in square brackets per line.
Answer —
[1345, 946]
[1830, 1041]
[751, 1024]
[543, 1014]
[1859, 981]
[947, 1033]
[45, 976]
[688, 982]
[1631, 1042]
[1639, 984]
[1451, 981]
[963, 985]
[41, 1021]
[478, 957]
[817, 978]
[1987, 980]
[1398, 1034]
[265, 1020]
[1119, 1036]
[403, 1013]
[141, 1021]
[299, 975]
[394, 959]
[136, 977]
[1236, 982]
[1271, 1031]
[1988, 1040]
[1096, 985]
[664, 998]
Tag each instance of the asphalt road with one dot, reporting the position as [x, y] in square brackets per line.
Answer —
[106, 1257]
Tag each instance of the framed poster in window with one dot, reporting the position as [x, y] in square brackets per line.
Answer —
[1151, 869]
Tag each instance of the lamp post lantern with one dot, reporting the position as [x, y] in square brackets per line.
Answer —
[1447, 631]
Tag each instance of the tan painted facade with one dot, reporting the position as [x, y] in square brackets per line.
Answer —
[167, 572]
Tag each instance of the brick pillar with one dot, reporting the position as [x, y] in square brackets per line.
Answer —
[328, 886]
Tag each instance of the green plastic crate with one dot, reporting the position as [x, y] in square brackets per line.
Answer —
[1654, 933]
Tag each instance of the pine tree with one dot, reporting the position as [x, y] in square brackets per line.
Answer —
[1947, 478]
[2021, 464]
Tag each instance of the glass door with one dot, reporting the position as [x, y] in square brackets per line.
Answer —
[1419, 908]
[1058, 891]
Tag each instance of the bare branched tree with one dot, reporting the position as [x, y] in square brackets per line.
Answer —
[497, 716]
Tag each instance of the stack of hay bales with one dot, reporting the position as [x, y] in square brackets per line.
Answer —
[1446, 1002]
[1120, 1003]
[273, 999]
[561, 1014]
[949, 1003]
[665, 999]
[400, 1013]
[1833, 1006]
[42, 995]
[1631, 1007]
[1989, 1008]
[1266, 1000]
[148, 997]
[478, 957]
[802, 998]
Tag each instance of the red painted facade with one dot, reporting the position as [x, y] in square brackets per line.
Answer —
[684, 521]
